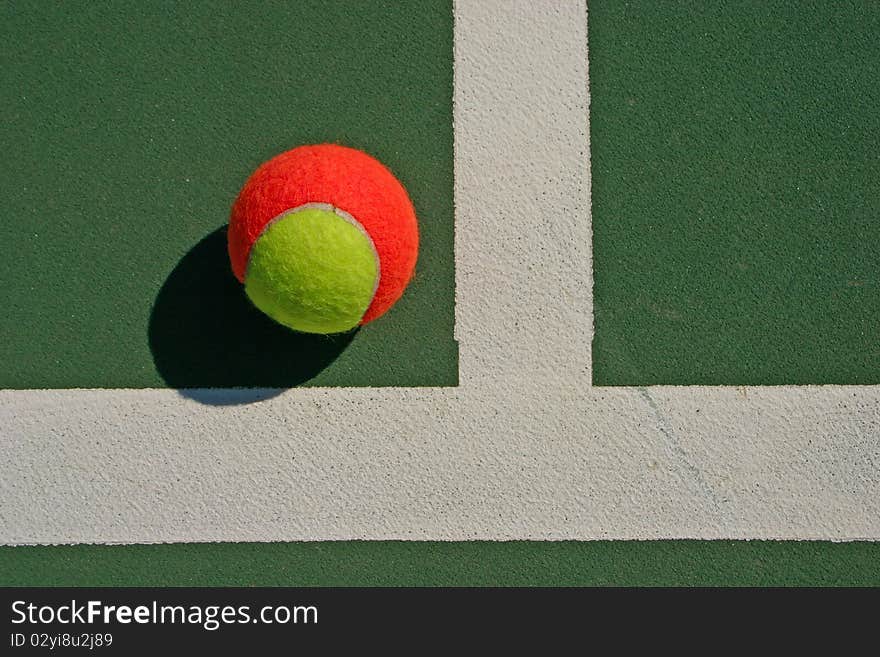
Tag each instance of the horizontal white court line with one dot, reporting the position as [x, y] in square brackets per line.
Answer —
[520, 461]
[524, 448]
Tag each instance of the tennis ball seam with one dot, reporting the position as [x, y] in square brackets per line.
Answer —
[342, 214]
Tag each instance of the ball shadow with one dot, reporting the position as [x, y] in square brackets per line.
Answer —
[214, 346]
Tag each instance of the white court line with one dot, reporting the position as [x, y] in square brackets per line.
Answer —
[524, 448]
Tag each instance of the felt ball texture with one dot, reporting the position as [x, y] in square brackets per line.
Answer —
[343, 178]
[313, 270]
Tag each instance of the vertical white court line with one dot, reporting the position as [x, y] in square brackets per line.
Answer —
[522, 159]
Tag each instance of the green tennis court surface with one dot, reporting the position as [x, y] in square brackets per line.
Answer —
[391, 563]
[736, 192]
[129, 129]
[736, 220]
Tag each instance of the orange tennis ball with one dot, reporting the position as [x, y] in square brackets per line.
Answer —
[304, 229]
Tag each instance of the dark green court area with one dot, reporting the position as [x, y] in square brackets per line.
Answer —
[128, 129]
[736, 192]
[476, 563]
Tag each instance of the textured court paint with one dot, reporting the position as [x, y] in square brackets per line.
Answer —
[313, 270]
[382, 563]
[736, 192]
[530, 459]
[524, 448]
[134, 125]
